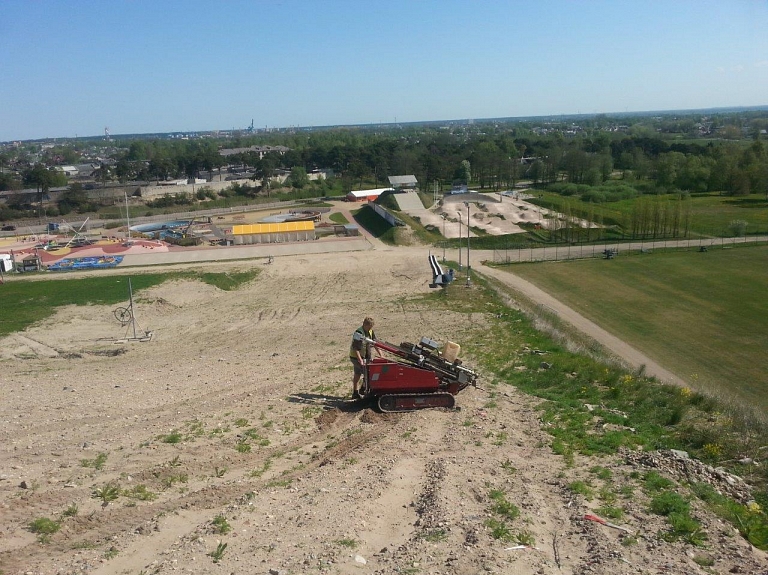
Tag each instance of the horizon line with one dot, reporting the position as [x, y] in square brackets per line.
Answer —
[716, 109]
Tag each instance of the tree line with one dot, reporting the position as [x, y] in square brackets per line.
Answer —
[664, 157]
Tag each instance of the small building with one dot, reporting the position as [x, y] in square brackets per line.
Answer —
[366, 195]
[31, 263]
[69, 171]
[246, 234]
[346, 230]
[403, 183]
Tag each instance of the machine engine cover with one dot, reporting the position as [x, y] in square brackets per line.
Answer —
[386, 376]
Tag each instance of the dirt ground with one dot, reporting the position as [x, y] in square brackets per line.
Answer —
[238, 408]
[494, 213]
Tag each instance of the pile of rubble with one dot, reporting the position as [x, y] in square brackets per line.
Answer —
[680, 465]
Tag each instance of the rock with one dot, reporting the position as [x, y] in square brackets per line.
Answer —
[360, 559]
[23, 485]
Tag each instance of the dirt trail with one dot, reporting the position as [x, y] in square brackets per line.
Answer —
[238, 409]
[622, 350]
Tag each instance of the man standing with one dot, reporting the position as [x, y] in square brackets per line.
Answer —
[360, 352]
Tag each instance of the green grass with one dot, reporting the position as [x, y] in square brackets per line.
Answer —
[376, 225]
[500, 506]
[173, 437]
[338, 218]
[220, 525]
[44, 526]
[140, 492]
[703, 315]
[96, 463]
[218, 553]
[33, 301]
[434, 535]
[627, 409]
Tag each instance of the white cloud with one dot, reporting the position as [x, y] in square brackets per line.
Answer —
[761, 64]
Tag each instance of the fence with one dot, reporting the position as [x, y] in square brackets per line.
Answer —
[392, 220]
[515, 254]
[76, 222]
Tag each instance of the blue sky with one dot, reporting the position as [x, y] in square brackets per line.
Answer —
[71, 68]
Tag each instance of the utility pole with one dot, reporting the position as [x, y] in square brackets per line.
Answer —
[127, 214]
[469, 267]
[444, 238]
[461, 221]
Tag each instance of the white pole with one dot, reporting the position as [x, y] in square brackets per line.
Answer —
[469, 268]
[461, 220]
[127, 214]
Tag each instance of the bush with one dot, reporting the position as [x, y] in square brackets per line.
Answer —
[668, 503]
[44, 526]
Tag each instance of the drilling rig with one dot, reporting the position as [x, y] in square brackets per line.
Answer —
[420, 376]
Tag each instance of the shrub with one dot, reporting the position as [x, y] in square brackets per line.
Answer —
[44, 526]
[668, 503]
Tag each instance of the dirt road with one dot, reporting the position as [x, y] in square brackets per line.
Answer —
[623, 352]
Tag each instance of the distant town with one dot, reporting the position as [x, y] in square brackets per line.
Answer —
[672, 152]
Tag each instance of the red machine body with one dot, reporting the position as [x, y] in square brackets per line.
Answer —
[385, 376]
[420, 377]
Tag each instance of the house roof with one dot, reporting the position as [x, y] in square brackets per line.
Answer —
[403, 180]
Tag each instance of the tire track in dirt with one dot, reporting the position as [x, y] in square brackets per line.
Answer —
[199, 502]
[391, 506]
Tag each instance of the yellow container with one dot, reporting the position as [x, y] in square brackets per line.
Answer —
[451, 351]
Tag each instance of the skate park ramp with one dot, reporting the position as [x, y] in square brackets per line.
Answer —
[409, 202]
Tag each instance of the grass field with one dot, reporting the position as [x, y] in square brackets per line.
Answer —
[703, 316]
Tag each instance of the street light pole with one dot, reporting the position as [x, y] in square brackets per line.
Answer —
[127, 214]
[444, 238]
[469, 267]
[461, 221]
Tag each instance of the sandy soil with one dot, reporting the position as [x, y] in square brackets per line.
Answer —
[492, 212]
[324, 485]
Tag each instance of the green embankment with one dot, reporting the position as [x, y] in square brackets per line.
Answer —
[704, 316]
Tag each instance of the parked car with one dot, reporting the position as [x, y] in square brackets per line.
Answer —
[8, 228]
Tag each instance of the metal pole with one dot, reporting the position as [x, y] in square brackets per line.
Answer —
[127, 215]
[460, 222]
[133, 314]
[469, 267]
[444, 238]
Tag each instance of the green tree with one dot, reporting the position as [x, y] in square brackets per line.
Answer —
[104, 174]
[299, 178]
[74, 198]
[463, 173]
[43, 179]
[265, 169]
